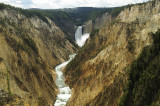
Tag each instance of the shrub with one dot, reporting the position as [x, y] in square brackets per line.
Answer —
[30, 43]
[131, 46]
[2, 6]
[72, 41]
[1, 59]
[116, 11]
[8, 84]
[144, 82]
[93, 33]
[27, 13]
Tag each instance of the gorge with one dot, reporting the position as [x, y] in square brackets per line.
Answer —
[64, 90]
[83, 56]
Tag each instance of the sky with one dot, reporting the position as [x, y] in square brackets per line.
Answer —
[55, 4]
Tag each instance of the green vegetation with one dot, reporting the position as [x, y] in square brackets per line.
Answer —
[88, 51]
[42, 101]
[77, 15]
[29, 41]
[2, 23]
[27, 45]
[152, 1]
[22, 47]
[3, 6]
[62, 19]
[93, 33]
[27, 13]
[1, 103]
[8, 84]
[14, 44]
[82, 14]
[116, 11]
[81, 57]
[72, 41]
[114, 22]
[97, 13]
[21, 33]
[143, 87]
[1, 59]
[55, 15]
[131, 46]
[32, 13]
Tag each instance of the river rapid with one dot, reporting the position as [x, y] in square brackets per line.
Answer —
[64, 90]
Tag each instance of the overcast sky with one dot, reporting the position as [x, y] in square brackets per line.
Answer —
[54, 4]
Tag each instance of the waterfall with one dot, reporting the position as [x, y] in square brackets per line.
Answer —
[80, 39]
[64, 90]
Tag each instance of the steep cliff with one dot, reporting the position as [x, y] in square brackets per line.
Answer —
[30, 48]
[98, 74]
[62, 19]
[83, 14]
[142, 86]
[99, 22]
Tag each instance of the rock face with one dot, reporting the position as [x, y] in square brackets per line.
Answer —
[98, 73]
[99, 22]
[30, 48]
[67, 27]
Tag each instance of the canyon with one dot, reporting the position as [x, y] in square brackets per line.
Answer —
[52, 60]
[64, 90]
[101, 66]
[30, 50]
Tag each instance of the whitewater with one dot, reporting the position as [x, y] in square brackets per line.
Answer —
[64, 90]
[80, 39]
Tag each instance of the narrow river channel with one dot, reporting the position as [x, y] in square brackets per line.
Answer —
[64, 90]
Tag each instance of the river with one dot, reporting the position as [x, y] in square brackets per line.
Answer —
[64, 90]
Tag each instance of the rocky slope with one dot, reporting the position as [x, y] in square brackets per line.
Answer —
[142, 86]
[30, 48]
[99, 22]
[98, 74]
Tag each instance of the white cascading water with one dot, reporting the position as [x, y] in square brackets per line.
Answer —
[80, 39]
[64, 90]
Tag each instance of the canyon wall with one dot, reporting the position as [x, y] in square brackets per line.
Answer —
[98, 73]
[68, 27]
[30, 48]
[99, 22]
